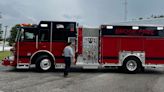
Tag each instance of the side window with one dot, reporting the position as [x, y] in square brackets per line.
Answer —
[59, 35]
[59, 26]
[61, 31]
[44, 35]
[28, 36]
[161, 33]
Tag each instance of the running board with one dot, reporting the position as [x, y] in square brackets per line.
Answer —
[23, 66]
[88, 65]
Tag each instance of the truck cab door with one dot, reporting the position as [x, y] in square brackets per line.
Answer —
[26, 46]
[44, 39]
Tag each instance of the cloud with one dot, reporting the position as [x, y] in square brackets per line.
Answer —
[86, 12]
[72, 17]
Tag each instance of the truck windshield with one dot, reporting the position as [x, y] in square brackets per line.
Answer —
[17, 34]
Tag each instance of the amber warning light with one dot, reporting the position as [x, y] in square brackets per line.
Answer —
[24, 24]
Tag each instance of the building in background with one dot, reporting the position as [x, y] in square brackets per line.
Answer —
[156, 21]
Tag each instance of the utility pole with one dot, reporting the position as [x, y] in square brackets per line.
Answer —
[0, 15]
[125, 10]
[4, 38]
[1, 32]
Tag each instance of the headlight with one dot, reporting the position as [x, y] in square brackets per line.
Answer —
[11, 58]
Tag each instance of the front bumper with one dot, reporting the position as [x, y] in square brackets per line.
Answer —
[8, 61]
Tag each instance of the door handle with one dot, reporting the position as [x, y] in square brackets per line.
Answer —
[43, 46]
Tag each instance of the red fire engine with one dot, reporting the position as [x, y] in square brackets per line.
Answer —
[131, 48]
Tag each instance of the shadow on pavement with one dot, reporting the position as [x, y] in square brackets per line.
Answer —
[80, 70]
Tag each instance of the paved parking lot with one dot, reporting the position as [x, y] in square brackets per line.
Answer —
[11, 80]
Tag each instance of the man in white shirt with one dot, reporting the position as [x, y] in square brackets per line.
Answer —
[68, 56]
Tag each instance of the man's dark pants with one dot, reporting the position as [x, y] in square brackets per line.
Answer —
[67, 65]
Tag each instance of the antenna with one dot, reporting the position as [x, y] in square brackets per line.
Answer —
[125, 10]
[0, 15]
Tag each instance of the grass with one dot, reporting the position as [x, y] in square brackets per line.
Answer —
[4, 54]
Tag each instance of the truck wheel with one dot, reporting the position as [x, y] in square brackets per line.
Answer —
[43, 64]
[132, 65]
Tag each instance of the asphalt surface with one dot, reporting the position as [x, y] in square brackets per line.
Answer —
[104, 80]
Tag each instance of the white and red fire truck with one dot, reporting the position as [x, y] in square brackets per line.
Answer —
[130, 47]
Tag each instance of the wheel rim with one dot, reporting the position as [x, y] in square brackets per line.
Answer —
[131, 65]
[45, 64]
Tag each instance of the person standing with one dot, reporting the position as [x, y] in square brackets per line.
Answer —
[68, 56]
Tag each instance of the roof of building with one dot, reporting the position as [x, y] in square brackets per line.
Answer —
[146, 22]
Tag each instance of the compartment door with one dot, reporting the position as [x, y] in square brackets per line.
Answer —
[90, 50]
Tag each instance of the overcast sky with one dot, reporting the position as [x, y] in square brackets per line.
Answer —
[90, 13]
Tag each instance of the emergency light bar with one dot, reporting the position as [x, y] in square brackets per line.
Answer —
[24, 24]
[44, 25]
[159, 28]
[135, 27]
[109, 27]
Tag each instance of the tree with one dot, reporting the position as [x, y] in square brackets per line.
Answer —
[1, 32]
[13, 33]
[157, 16]
[152, 17]
[140, 18]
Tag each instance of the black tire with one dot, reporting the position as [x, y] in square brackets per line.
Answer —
[132, 65]
[142, 69]
[44, 63]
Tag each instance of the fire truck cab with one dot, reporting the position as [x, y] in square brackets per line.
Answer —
[41, 45]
